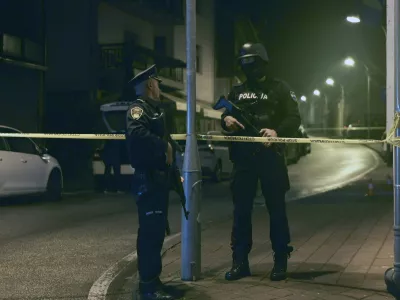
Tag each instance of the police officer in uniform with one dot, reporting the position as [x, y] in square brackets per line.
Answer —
[272, 108]
[150, 154]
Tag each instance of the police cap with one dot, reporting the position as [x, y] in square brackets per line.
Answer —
[249, 51]
[144, 75]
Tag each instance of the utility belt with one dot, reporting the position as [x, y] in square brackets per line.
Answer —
[146, 180]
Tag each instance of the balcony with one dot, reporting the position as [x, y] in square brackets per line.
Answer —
[120, 61]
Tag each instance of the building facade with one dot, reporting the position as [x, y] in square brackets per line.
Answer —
[140, 33]
[22, 64]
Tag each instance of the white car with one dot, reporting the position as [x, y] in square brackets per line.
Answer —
[214, 157]
[26, 168]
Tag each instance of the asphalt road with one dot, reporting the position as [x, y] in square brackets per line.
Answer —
[57, 250]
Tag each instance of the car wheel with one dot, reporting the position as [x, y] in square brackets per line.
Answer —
[54, 186]
[217, 175]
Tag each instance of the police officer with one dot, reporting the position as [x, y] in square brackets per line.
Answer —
[272, 108]
[150, 154]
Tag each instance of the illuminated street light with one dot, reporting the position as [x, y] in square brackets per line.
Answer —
[303, 98]
[317, 93]
[330, 81]
[353, 19]
[349, 62]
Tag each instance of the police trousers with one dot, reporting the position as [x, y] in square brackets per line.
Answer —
[269, 168]
[152, 210]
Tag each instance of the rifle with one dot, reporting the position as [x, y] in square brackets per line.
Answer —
[175, 182]
[175, 179]
[237, 113]
[240, 115]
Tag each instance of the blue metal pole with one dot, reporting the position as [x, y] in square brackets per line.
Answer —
[392, 275]
[191, 228]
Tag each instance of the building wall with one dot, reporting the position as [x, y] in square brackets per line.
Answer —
[20, 86]
[19, 94]
[205, 39]
[113, 23]
[72, 53]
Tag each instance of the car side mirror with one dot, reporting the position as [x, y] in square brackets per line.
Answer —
[42, 150]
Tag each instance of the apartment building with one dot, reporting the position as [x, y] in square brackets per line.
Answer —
[140, 33]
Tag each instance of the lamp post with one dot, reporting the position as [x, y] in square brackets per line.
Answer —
[329, 81]
[191, 228]
[351, 63]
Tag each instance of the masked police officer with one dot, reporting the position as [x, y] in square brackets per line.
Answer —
[150, 154]
[272, 108]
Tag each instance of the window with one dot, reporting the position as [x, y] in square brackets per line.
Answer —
[160, 45]
[198, 59]
[3, 146]
[21, 145]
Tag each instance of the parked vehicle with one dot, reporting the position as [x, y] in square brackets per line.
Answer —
[214, 157]
[113, 115]
[26, 168]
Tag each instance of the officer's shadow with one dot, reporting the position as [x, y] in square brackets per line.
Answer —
[261, 271]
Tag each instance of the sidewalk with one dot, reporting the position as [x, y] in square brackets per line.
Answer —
[343, 245]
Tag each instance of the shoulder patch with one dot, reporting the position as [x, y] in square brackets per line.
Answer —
[293, 95]
[136, 112]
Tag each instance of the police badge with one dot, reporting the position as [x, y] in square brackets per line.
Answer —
[136, 112]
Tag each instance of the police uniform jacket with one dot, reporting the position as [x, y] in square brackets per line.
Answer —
[145, 133]
[270, 104]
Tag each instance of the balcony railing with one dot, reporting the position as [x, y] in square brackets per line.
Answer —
[115, 56]
[175, 74]
[111, 56]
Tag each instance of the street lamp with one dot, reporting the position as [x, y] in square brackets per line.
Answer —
[303, 98]
[353, 19]
[317, 93]
[356, 20]
[330, 81]
[349, 62]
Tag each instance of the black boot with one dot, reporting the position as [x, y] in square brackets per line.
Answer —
[153, 290]
[157, 295]
[279, 270]
[238, 271]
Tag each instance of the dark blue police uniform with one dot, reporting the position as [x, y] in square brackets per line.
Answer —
[147, 150]
[269, 104]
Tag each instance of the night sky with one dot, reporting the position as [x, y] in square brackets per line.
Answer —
[307, 39]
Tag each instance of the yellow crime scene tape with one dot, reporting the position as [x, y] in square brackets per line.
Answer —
[346, 128]
[246, 139]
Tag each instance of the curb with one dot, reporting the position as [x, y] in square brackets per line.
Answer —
[121, 269]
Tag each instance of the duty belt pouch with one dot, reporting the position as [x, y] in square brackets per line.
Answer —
[140, 183]
[145, 181]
